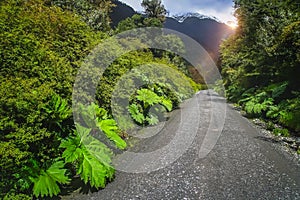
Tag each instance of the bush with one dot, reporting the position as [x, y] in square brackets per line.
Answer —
[41, 50]
[281, 132]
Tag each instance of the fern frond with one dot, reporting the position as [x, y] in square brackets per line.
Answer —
[273, 112]
[278, 89]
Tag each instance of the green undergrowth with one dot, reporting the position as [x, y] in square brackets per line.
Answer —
[43, 44]
[260, 63]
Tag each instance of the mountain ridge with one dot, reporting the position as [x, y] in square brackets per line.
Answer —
[181, 17]
[206, 30]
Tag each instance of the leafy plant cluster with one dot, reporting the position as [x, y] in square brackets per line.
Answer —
[79, 151]
[260, 62]
[143, 101]
[128, 66]
[43, 43]
[41, 49]
[93, 13]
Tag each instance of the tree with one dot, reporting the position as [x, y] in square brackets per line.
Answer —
[94, 12]
[137, 21]
[260, 62]
[155, 9]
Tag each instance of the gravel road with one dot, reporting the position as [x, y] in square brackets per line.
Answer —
[241, 165]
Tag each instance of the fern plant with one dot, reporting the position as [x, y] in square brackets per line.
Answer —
[281, 132]
[277, 89]
[256, 104]
[255, 107]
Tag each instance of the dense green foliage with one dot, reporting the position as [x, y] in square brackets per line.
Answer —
[154, 9]
[41, 49]
[94, 12]
[45, 183]
[138, 21]
[90, 157]
[141, 104]
[42, 46]
[261, 61]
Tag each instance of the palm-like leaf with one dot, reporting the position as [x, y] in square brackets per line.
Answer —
[96, 117]
[99, 150]
[93, 158]
[72, 150]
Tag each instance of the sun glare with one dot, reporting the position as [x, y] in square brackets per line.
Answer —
[232, 24]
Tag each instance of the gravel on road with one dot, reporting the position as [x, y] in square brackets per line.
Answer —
[241, 165]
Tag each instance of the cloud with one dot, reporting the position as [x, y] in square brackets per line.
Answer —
[135, 4]
[194, 5]
[222, 9]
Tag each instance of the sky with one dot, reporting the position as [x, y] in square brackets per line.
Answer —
[221, 9]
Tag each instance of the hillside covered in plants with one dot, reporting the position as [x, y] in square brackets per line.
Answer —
[43, 43]
[261, 63]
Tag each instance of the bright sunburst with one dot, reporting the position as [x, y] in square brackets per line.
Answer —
[232, 24]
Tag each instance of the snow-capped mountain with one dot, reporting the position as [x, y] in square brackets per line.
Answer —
[207, 30]
[181, 17]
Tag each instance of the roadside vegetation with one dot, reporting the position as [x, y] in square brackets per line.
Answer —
[43, 43]
[261, 63]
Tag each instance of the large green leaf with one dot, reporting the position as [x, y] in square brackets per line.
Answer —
[75, 145]
[167, 103]
[136, 114]
[93, 171]
[99, 150]
[47, 182]
[72, 150]
[82, 132]
[88, 115]
[93, 158]
[152, 120]
[147, 96]
[110, 128]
